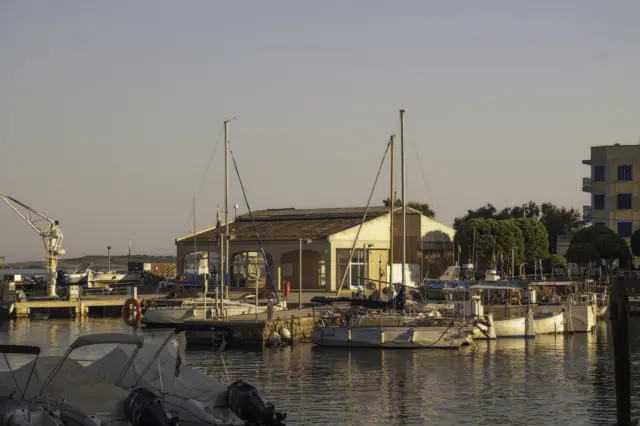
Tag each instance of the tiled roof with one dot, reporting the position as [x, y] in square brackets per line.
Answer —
[291, 224]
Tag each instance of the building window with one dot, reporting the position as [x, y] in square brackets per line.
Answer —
[625, 229]
[598, 173]
[356, 274]
[624, 201]
[598, 202]
[625, 173]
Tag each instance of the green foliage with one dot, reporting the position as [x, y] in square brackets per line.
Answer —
[554, 218]
[582, 253]
[555, 261]
[421, 207]
[536, 239]
[590, 234]
[610, 246]
[494, 240]
[635, 243]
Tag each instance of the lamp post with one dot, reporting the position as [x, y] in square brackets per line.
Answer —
[301, 241]
[109, 258]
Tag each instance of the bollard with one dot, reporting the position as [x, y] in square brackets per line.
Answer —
[619, 310]
[270, 310]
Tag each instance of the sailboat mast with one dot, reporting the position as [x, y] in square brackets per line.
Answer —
[195, 236]
[226, 202]
[404, 201]
[392, 207]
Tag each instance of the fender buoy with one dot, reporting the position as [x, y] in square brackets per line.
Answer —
[132, 312]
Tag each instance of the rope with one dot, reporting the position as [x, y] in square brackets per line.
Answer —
[246, 201]
[364, 218]
[204, 177]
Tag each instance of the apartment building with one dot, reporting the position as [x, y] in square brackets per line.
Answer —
[614, 186]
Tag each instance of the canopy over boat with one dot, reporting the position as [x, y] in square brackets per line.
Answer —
[189, 384]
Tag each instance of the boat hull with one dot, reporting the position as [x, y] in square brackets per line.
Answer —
[512, 328]
[549, 323]
[168, 316]
[485, 328]
[440, 337]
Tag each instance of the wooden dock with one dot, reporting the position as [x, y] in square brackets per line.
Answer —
[103, 305]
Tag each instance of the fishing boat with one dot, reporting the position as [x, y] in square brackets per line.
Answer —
[549, 322]
[64, 387]
[190, 395]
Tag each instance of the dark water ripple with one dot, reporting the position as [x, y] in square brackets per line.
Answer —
[547, 381]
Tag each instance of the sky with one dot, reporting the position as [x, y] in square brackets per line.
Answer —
[112, 112]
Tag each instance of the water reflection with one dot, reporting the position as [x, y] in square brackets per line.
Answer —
[547, 380]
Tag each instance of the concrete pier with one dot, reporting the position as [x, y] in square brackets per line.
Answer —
[246, 329]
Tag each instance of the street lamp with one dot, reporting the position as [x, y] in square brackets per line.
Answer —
[301, 241]
[109, 258]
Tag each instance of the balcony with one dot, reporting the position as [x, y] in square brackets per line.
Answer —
[586, 212]
[586, 184]
[586, 162]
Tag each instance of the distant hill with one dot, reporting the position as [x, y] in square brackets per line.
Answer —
[95, 261]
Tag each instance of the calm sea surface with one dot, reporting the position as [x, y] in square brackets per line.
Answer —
[549, 380]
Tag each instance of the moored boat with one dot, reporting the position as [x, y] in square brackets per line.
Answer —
[549, 323]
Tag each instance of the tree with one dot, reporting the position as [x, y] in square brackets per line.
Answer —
[635, 243]
[536, 239]
[590, 234]
[582, 253]
[421, 207]
[610, 247]
[556, 219]
[494, 240]
[555, 261]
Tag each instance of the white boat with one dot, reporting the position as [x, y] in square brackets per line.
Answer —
[111, 278]
[417, 337]
[485, 329]
[196, 308]
[549, 323]
[62, 385]
[514, 327]
[188, 394]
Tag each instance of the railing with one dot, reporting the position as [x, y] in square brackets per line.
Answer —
[586, 184]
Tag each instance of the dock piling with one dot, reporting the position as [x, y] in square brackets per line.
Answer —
[619, 309]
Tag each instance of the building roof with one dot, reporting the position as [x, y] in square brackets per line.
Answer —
[287, 224]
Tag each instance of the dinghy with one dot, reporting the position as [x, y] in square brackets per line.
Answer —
[63, 387]
[190, 395]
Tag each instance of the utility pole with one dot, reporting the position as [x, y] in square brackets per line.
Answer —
[109, 258]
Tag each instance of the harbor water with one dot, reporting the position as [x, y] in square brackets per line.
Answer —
[563, 380]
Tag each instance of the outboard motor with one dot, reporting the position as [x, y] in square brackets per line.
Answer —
[246, 402]
[144, 408]
[13, 412]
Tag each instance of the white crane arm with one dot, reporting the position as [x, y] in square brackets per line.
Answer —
[34, 218]
[50, 232]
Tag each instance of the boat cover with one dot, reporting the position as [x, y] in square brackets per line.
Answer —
[73, 384]
[190, 383]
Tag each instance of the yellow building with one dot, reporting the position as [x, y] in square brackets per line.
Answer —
[324, 238]
[614, 186]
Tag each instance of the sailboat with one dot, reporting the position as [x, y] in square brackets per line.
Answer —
[403, 332]
[204, 307]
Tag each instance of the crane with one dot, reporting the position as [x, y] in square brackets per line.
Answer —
[50, 232]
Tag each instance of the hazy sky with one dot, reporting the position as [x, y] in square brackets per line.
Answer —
[110, 111]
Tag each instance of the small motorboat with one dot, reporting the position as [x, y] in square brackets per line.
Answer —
[190, 395]
[60, 389]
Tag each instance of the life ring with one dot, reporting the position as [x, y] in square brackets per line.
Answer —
[132, 312]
